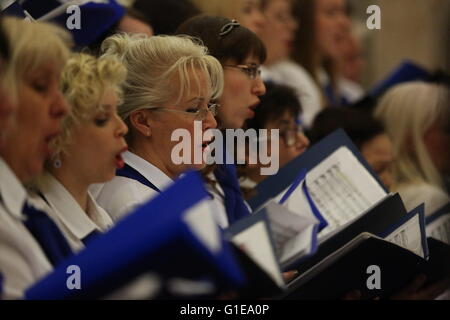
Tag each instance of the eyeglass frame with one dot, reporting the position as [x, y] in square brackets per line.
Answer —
[247, 69]
[296, 131]
[212, 107]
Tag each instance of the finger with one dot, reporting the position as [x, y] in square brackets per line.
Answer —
[289, 275]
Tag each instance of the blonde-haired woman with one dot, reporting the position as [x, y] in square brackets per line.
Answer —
[247, 12]
[89, 149]
[416, 116]
[170, 83]
[38, 52]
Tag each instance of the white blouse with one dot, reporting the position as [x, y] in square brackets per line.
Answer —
[22, 261]
[72, 220]
[121, 195]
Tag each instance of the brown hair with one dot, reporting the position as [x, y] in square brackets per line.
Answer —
[238, 44]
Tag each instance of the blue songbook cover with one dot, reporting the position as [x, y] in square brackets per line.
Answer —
[173, 235]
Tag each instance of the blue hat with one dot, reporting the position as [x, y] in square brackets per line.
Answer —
[96, 17]
[12, 8]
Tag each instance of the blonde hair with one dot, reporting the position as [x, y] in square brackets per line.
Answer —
[153, 63]
[84, 81]
[408, 111]
[31, 45]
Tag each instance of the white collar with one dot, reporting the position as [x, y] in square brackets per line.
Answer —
[12, 192]
[69, 212]
[158, 178]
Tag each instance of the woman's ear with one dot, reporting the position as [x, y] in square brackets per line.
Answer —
[141, 122]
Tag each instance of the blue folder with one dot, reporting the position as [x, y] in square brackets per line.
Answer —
[286, 176]
[154, 238]
[406, 71]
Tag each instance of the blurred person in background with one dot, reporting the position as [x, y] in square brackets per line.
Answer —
[416, 116]
[325, 26]
[278, 36]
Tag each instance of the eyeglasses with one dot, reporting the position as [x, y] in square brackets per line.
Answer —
[291, 135]
[199, 114]
[253, 70]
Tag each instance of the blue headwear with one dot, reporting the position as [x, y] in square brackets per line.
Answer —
[96, 16]
[12, 8]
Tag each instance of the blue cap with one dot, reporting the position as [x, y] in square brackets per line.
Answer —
[96, 17]
[13, 9]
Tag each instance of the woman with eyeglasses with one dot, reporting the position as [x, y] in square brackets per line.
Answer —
[240, 53]
[170, 84]
[279, 110]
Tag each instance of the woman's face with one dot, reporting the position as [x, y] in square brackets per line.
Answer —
[7, 109]
[40, 109]
[292, 140]
[94, 151]
[163, 123]
[251, 16]
[241, 93]
[437, 142]
[278, 32]
[132, 25]
[378, 152]
[332, 24]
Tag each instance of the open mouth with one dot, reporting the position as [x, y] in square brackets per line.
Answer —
[120, 163]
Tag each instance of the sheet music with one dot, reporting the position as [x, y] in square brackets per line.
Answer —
[202, 224]
[255, 242]
[440, 228]
[292, 234]
[342, 189]
[409, 236]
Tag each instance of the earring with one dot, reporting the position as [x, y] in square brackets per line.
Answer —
[57, 162]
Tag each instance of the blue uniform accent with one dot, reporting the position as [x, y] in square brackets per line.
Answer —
[131, 173]
[91, 236]
[226, 176]
[47, 234]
